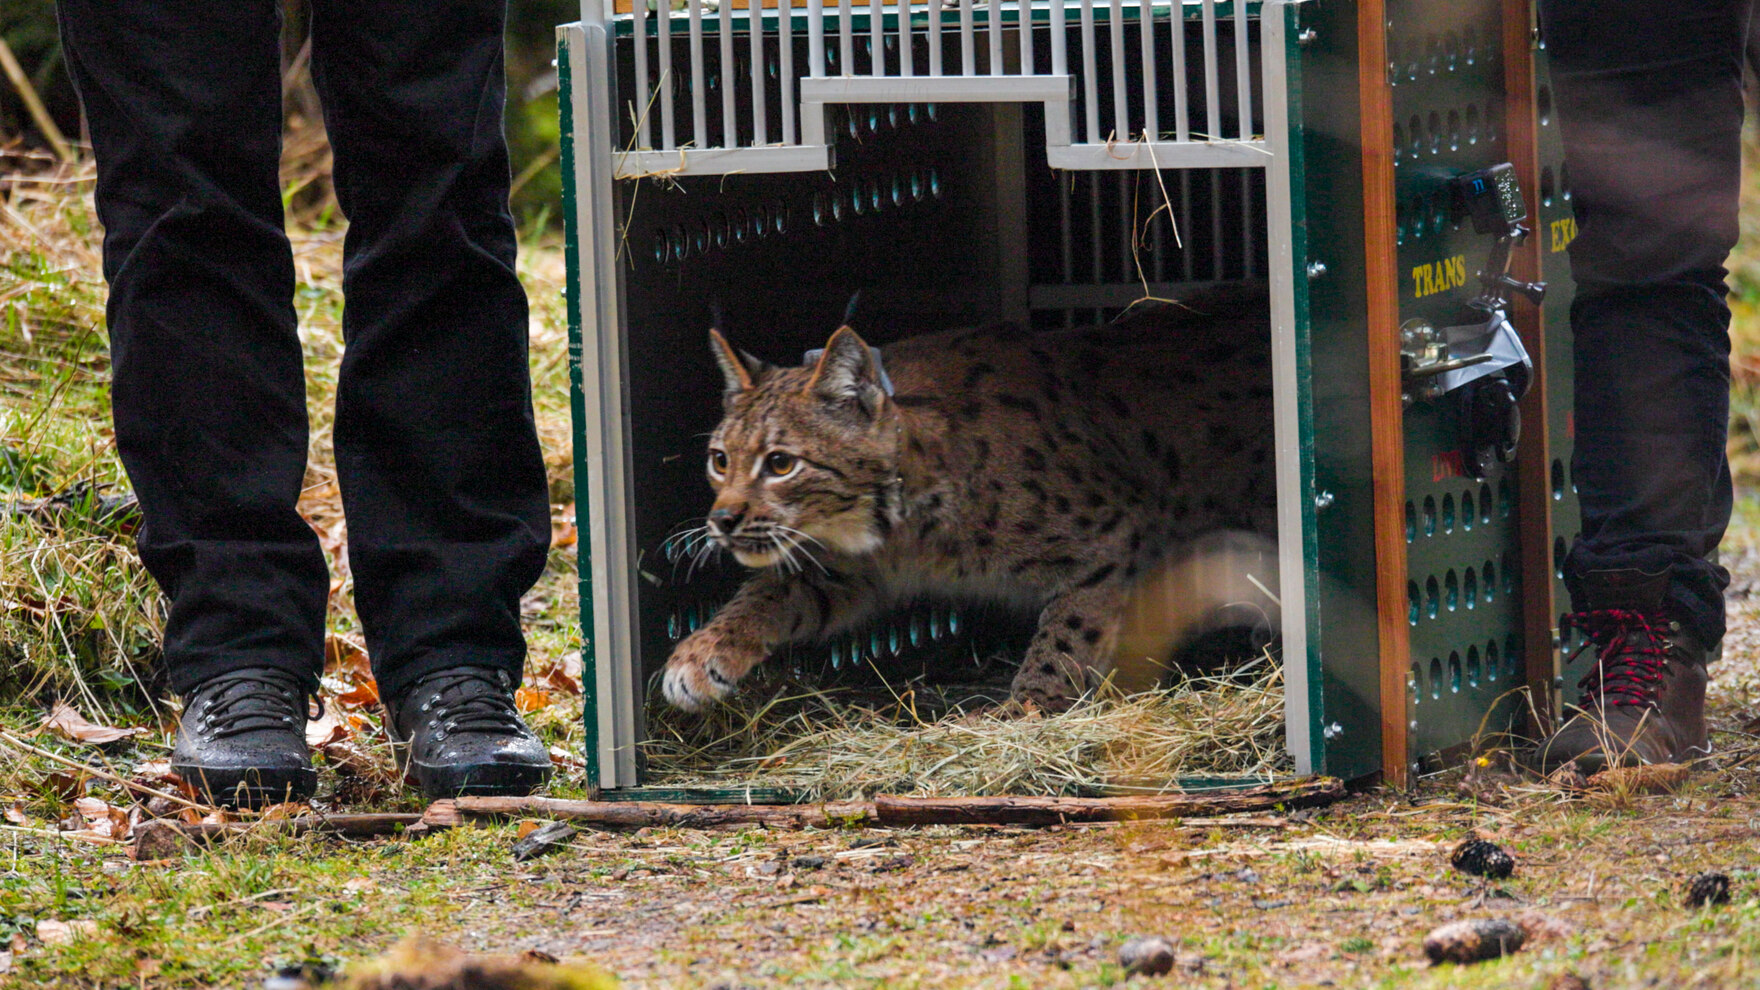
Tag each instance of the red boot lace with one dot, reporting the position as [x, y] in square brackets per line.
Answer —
[1631, 654]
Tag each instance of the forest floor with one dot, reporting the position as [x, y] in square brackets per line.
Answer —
[1339, 896]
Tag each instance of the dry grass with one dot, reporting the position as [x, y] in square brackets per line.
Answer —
[834, 747]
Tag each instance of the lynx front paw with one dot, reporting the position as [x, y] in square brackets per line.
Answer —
[704, 668]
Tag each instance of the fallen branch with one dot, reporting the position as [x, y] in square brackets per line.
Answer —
[642, 814]
[161, 839]
[892, 810]
[887, 810]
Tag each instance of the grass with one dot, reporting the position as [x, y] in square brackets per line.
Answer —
[1341, 897]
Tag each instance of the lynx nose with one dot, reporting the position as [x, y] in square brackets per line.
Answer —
[725, 521]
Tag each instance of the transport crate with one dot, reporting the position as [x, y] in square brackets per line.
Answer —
[1048, 163]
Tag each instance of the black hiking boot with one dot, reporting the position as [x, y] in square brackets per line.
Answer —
[459, 733]
[241, 741]
[1644, 700]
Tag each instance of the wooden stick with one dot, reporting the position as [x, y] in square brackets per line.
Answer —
[33, 103]
[891, 810]
[640, 814]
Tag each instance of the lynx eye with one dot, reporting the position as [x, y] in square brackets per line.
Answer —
[718, 462]
[779, 464]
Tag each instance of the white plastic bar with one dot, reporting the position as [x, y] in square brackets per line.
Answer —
[846, 37]
[936, 66]
[1212, 98]
[877, 37]
[1060, 37]
[722, 161]
[816, 38]
[644, 94]
[729, 79]
[1161, 154]
[1121, 102]
[699, 78]
[1243, 74]
[1182, 120]
[906, 64]
[1024, 31]
[1298, 664]
[760, 111]
[785, 55]
[1090, 100]
[968, 45]
[1151, 100]
[928, 89]
[993, 31]
[666, 82]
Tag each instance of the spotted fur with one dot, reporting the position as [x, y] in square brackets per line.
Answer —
[1049, 470]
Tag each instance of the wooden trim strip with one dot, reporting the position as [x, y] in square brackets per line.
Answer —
[1534, 455]
[1386, 411]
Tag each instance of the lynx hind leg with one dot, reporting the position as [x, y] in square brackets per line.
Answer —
[1072, 651]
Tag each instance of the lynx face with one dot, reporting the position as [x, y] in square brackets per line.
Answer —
[804, 460]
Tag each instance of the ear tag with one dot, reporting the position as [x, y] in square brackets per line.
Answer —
[812, 358]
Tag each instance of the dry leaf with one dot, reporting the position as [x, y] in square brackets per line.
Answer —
[565, 675]
[53, 932]
[562, 528]
[529, 700]
[292, 809]
[527, 828]
[102, 818]
[15, 813]
[64, 720]
[346, 653]
[5, 963]
[365, 693]
[325, 731]
[565, 760]
[65, 784]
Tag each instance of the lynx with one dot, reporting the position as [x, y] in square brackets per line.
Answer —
[1048, 470]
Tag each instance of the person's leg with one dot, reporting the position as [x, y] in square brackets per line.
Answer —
[1649, 98]
[442, 477]
[184, 103]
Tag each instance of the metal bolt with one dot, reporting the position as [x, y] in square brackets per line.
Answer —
[1323, 499]
[1558, 684]
[1316, 269]
[1306, 36]
[1332, 731]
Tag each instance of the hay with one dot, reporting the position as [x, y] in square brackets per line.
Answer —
[835, 747]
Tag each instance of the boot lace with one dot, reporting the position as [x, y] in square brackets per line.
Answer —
[252, 700]
[472, 699]
[1631, 655]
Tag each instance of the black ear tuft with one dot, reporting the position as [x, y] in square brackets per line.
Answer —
[740, 369]
[846, 373]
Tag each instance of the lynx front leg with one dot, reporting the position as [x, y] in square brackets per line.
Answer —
[1072, 651]
[770, 610]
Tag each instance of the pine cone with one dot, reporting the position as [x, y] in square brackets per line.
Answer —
[1708, 888]
[1483, 859]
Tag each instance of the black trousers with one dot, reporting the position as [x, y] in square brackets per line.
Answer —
[1649, 95]
[442, 480]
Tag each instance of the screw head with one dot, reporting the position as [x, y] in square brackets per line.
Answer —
[1323, 499]
[1316, 269]
[1307, 36]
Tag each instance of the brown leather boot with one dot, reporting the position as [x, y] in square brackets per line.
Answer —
[1644, 700]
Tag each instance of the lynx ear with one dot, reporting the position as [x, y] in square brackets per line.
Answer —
[847, 373]
[739, 368]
